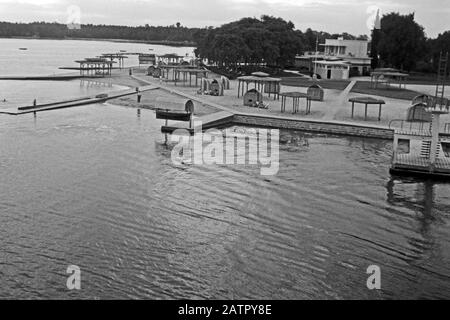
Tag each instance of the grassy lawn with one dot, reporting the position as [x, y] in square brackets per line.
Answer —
[424, 79]
[394, 93]
[326, 84]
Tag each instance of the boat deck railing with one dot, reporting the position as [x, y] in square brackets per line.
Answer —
[416, 161]
[447, 128]
[411, 128]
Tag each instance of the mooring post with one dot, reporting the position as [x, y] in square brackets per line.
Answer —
[139, 96]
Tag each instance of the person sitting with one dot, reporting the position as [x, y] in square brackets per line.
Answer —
[262, 105]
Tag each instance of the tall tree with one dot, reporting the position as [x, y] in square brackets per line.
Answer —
[438, 45]
[268, 40]
[402, 41]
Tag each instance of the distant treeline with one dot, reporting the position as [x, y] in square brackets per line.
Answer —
[175, 33]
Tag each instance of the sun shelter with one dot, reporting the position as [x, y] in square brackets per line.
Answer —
[187, 75]
[252, 98]
[260, 74]
[171, 58]
[260, 83]
[97, 67]
[367, 101]
[296, 98]
[388, 77]
[120, 57]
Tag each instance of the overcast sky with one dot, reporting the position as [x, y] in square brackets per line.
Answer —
[334, 16]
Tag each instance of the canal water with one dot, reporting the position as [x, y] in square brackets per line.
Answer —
[96, 188]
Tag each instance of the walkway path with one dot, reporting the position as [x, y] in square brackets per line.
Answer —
[341, 102]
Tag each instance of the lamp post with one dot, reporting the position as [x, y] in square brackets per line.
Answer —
[315, 57]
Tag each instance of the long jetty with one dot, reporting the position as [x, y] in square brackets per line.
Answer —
[44, 78]
[101, 98]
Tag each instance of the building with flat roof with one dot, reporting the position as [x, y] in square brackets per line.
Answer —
[355, 52]
[350, 57]
[336, 70]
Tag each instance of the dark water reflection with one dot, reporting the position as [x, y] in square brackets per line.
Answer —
[95, 187]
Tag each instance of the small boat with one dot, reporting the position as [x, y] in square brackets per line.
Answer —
[173, 115]
[23, 49]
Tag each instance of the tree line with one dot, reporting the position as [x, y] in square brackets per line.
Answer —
[174, 33]
[404, 45]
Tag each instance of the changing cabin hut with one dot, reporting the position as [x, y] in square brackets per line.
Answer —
[316, 93]
[216, 88]
[150, 70]
[418, 113]
[205, 86]
[146, 59]
[225, 83]
[157, 72]
[252, 97]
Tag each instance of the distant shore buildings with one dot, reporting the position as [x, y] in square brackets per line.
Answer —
[339, 60]
[342, 59]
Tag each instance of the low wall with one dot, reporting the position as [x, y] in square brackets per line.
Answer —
[314, 126]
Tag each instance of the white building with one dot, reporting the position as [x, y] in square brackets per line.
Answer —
[336, 70]
[354, 52]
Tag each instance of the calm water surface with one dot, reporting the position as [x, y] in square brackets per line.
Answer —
[95, 187]
[44, 57]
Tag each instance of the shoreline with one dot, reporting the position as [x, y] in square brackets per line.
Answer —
[168, 43]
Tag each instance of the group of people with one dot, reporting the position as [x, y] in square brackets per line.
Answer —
[260, 105]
